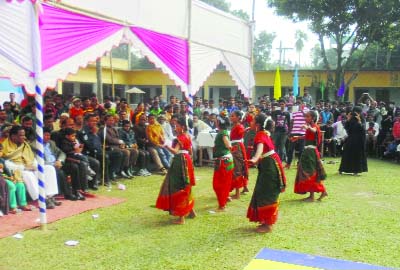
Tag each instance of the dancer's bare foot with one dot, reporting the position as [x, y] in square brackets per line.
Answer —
[308, 199]
[229, 199]
[179, 221]
[192, 214]
[323, 195]
[235, 197]
[220, 209]
[264, 228]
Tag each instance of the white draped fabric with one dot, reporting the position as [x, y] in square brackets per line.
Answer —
[17, 21]
[214, 37]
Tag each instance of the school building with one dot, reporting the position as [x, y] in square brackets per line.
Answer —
[381, 85]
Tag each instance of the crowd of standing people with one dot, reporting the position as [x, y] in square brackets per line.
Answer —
[87, 144]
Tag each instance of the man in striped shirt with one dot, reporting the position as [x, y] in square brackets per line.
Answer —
[296, 129]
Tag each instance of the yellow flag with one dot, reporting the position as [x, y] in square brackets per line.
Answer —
[277, 85]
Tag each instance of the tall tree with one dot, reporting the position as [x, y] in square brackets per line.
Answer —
[350, 23]
[220, 4]
[262, 49]
[241, 14]
[301, 37]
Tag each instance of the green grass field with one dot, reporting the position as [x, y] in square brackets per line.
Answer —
[358, 221]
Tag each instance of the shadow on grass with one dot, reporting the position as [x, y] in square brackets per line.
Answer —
[295, 201]
[246, 230]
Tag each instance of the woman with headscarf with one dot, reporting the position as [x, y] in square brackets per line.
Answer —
[354, 158]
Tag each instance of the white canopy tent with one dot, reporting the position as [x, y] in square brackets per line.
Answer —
[213, 37]
[43, 43]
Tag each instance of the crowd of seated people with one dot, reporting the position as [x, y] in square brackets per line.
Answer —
[88, 143]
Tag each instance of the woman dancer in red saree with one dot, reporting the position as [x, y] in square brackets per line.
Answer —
[176, 191]
[241, 171]
[271, 180]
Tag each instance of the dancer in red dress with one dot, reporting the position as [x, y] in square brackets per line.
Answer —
[223, 168]
[176, 191]
[310, 172]
[240, 176]
[271, 180]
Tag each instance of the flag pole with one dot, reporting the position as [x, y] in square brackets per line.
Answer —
[104, 156]
[112, 77]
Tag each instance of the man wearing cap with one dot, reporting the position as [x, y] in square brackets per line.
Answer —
[155, 109]
[76, 108]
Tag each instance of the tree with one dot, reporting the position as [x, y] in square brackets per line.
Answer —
[240, 13]
[301, 37]
[220, 4]
[262, 43]
[141, 62]
[352, 24]
[317, 58]
[262, 49]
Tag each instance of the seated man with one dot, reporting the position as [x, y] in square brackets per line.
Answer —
[143, 143]
[128, 136]
[53, 156]
[77, 164]
[155, 134]
[19, 156]
[114, 143]
[93, 148]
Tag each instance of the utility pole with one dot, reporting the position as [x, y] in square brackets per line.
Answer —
[282, 51]
[253, 10]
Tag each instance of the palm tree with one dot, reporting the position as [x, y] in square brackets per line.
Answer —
[301, 37]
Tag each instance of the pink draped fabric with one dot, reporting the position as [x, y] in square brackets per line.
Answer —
[173, 51]
[64, 34]
[33, 1]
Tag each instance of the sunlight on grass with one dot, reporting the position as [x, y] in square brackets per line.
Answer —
[358, 221]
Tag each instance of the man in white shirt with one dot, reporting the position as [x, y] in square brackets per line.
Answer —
[372, 129]
[209, 107]
[198, 127]
[168, 134]
[339, 132]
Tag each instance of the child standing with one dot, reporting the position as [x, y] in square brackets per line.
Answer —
[310, 172]
[241, 170]
[223, 168]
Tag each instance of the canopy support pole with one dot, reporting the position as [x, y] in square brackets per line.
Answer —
[112, 77]
[40, 157]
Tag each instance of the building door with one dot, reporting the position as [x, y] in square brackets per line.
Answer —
[382, 95]
[224, 93]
